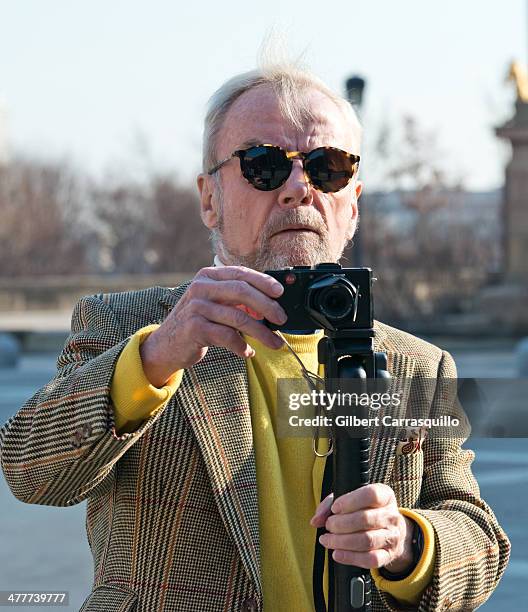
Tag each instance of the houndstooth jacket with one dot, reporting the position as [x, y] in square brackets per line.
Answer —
[172, 508]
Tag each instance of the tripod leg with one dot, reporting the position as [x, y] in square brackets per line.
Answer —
[351, 471]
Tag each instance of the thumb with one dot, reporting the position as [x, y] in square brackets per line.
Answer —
[323, 511]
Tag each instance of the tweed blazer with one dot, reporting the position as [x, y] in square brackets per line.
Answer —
[172, 508]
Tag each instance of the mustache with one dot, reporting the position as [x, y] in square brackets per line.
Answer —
[308, 218]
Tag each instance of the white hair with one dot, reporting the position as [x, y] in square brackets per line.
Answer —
[290, 82]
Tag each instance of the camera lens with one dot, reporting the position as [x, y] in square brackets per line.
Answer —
[336, 301]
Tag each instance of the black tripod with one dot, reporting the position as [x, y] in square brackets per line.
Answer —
[349, 358]
[338, 300]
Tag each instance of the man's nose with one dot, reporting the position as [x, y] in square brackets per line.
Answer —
[297, 190]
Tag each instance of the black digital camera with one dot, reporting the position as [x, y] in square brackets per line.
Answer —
[326, 296]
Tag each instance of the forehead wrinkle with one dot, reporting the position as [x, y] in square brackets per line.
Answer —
[278, 142]
[251, 142]
[303, 142]
[243, 127]
[320, 130]
[320, 135]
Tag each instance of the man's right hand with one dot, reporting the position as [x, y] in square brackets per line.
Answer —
[209, 314]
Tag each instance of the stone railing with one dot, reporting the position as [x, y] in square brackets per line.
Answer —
[58, 293]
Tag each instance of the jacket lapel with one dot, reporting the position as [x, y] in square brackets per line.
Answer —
[401, 368]
[213, 396]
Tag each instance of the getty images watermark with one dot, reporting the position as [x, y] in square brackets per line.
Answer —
[327, 402]
[446, 408]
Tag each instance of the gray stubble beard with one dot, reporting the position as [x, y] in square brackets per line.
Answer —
[303, 249]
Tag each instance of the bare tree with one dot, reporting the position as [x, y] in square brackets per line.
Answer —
[149, 226]
[180, 241]
[40, 210]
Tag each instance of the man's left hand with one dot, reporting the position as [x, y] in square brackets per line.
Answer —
[366, 529]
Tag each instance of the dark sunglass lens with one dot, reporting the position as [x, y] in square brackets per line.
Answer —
[329, 169]
[266, 168]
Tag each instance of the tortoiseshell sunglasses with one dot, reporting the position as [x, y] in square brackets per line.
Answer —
[267, 166]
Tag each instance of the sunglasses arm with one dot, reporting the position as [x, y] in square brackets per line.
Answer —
[220, 164]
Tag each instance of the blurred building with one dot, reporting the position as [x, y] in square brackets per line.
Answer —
[477, 209]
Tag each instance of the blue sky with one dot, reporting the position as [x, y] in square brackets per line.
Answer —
[83, 80]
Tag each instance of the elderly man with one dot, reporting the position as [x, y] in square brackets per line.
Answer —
[162, 414]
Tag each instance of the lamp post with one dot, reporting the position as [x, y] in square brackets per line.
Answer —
[355, 86]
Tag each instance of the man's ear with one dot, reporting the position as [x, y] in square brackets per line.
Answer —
[358, 189]
[208, 200]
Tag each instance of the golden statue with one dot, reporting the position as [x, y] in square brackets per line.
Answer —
[518, 74]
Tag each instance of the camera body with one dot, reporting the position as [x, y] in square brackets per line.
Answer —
[326, 296]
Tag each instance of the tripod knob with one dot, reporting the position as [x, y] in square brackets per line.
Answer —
[357, 592]
[381, 371]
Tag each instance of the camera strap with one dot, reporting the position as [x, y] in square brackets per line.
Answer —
[321, 552]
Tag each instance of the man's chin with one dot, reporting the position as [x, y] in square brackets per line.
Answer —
[277, 261]
[277, 254]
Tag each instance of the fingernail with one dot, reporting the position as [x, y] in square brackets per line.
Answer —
[336, 508]
[322, 539]
[277, 288]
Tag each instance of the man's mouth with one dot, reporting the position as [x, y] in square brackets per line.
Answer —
[296, 228]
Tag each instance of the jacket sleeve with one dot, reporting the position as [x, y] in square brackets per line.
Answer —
[62, 443]
[471, 548]
[133, 397]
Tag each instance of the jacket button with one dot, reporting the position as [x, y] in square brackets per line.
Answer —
[76, 439]
[250, 605]
[447, 603]
[86, 430]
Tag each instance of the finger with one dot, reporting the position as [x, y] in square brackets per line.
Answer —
[221, 335]
[375, 495]
[322, 512]
[361, 520]
[237, 319]
[251, 313]
[263, 282]
[235, 292]
[362, 541]
[367, 560]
